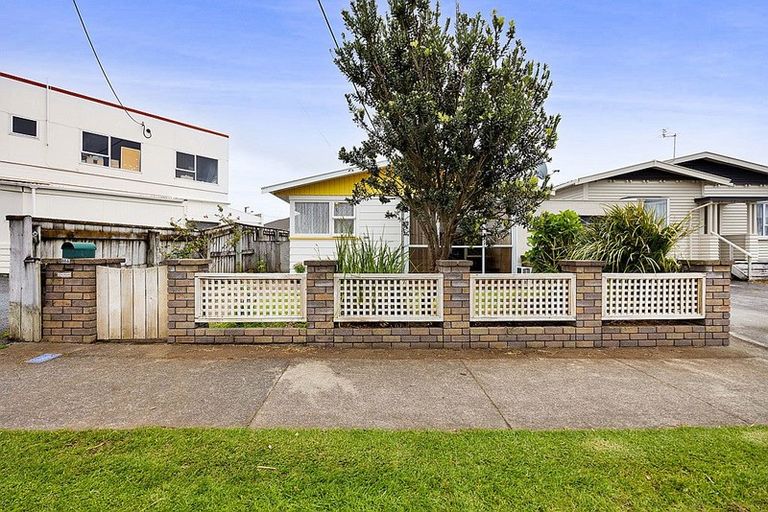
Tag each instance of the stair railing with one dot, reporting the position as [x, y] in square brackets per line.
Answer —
[733, 246]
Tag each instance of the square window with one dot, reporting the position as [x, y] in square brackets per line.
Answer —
[311, 218]
[126, 154]
[207, 170]
[658, 207]
[23, 126]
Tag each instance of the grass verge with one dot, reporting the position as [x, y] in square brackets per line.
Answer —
[219, 469]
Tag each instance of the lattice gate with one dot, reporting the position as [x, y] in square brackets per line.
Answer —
[131, 303]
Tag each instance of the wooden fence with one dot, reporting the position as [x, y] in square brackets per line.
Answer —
[248, 249]
[388, 298]
[232, 248]
[131, 303]
[522, 297]
[250, 297]
[653, 296]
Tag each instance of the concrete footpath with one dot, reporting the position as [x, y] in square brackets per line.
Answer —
[123, 385]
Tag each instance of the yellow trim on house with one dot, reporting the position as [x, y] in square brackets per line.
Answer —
[340, 186]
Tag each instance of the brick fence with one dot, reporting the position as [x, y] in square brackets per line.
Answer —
[69, 299]
[69, 313]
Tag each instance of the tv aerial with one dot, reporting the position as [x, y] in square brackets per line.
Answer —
[666, 134]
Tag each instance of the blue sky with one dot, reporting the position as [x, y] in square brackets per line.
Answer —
[262, 72]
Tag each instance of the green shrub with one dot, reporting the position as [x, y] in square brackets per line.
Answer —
[552, 238]
[299, 268]
[366, 256]
[631, 239]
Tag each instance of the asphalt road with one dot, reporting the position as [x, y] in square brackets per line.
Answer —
[749, 311]
[124, 385]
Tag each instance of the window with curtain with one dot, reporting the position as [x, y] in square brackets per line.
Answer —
[658, 207]
[311, 218]
[343, 218]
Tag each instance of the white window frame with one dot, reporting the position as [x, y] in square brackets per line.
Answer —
[335, 217]
[195, 156]
[109, 153]
[331, 232]
[643, 200]
[17, 134]
[762, 231]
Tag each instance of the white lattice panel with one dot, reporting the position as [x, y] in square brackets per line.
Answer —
[250, 297]
[522, 297]
[388, 297]
[653, 296]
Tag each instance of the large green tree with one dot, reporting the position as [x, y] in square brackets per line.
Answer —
[457, 111]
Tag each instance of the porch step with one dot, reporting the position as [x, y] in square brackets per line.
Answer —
[759, 271]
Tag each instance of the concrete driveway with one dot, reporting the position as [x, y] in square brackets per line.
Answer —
[112, 385]
[749, 311]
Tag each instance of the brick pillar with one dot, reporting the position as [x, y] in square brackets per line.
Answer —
[589, 301]
[455, 302]
[69, 298]
[717, 307]
[181, 298]
[320, 302]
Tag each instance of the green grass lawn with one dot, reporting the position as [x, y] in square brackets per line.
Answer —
[211, 469]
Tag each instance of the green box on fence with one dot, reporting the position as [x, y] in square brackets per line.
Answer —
[75, 250]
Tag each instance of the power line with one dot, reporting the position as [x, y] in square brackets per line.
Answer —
[145, 131]
[336, 42]
[328, 23]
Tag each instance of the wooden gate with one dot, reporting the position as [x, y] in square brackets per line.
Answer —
[131, 303]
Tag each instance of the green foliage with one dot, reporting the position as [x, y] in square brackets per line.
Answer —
[299, 268]
[183, 469]
[189, 241]
[552, 239]
[631, 239]
[456, 109]
[261, 266]
[366, 256]
[243, 325]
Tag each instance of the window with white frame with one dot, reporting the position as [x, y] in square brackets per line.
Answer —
[762, 219]
[323, 218]
[23, 126]
[343, 218]
[197, 168]
[658, 206]
[111, 152]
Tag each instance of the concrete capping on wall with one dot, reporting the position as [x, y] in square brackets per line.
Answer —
[456, 331]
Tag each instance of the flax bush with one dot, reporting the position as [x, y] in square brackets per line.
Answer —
[631, 239]
[368, 256]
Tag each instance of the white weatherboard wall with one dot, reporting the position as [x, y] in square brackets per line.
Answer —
[65, 188]
[370, 220]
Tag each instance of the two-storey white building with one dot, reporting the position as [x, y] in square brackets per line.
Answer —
[69, 156]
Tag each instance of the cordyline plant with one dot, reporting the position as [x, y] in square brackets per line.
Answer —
[456, 110]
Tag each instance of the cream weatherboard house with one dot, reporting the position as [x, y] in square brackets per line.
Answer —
[64, 155]
[723, 199]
